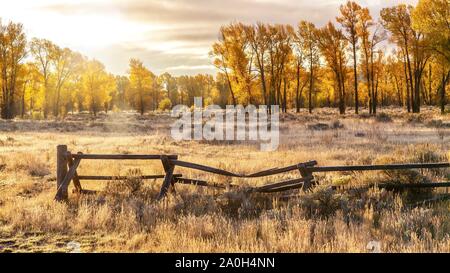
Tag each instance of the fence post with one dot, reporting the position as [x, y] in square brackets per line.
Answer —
[61, 172]
[168, 179]
[306, 174]
[76, 180]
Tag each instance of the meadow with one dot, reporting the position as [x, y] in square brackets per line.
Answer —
[124, 216]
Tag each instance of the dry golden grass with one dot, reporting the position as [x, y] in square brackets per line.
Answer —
[125, 216]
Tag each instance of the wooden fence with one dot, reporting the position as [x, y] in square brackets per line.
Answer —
[67, 164]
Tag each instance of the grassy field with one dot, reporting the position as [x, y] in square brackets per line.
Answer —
[124, 216]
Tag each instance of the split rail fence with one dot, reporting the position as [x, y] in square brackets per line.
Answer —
[67, 164]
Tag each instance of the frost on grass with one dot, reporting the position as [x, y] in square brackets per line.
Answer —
[124, 216]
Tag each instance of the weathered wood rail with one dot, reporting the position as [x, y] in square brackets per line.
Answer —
[67, 164]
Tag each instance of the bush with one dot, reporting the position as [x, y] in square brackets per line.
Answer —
[37, 116]
[336, 124]
[32, 165]
[365, 116]
[413, 154]
[165, 104]
[417, 118]
[131, 185]
[318, 126]
[383, 117]
[208, 101]
[322, 203]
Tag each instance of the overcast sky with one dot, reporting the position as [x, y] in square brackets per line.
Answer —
[167, 35]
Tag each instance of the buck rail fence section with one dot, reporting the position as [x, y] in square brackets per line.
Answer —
[67, 164]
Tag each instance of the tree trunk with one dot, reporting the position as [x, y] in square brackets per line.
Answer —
[58, 98]
[22, 114]
[46, 96]
[375, 94]
[285, 95]
[142, 105]
[341, 99]
[399, 94]
[417, 80]
[355, 74]
[368, 85]
[311, 83]
[297, 90]
[372, 80]
[229, 86]
[444, 83]
[408, 102]
[408, 62]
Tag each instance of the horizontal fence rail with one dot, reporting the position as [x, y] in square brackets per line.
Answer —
[119, 177]
[122, 157]
[282, 186]
[274, 171]
[202, 183]
[380, 167]
[67, 164]
[213, 170]
[416, 185]
[400, 186]
[204, 168]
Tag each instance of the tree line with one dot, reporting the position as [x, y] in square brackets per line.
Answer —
[402, 59]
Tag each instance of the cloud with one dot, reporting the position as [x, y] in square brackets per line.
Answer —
[196, 35]
[191, 67]
[204, 13]
[116, 58]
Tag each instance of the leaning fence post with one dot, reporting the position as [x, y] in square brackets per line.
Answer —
[61, 172]
[76, 180]
[306, 174]
[168, 179]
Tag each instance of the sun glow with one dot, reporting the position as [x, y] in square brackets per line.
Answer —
[79, 30]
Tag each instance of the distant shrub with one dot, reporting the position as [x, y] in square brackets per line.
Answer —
[327, 138]
[383, 117]
[437, 123]
[31, 164]
[208, 101]
[37, 115]
[377, 133]
[116, 109]
[417, 118]
[165, 104]
[2, 163]
[336, 124]
[318, 126]
[364, 115]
